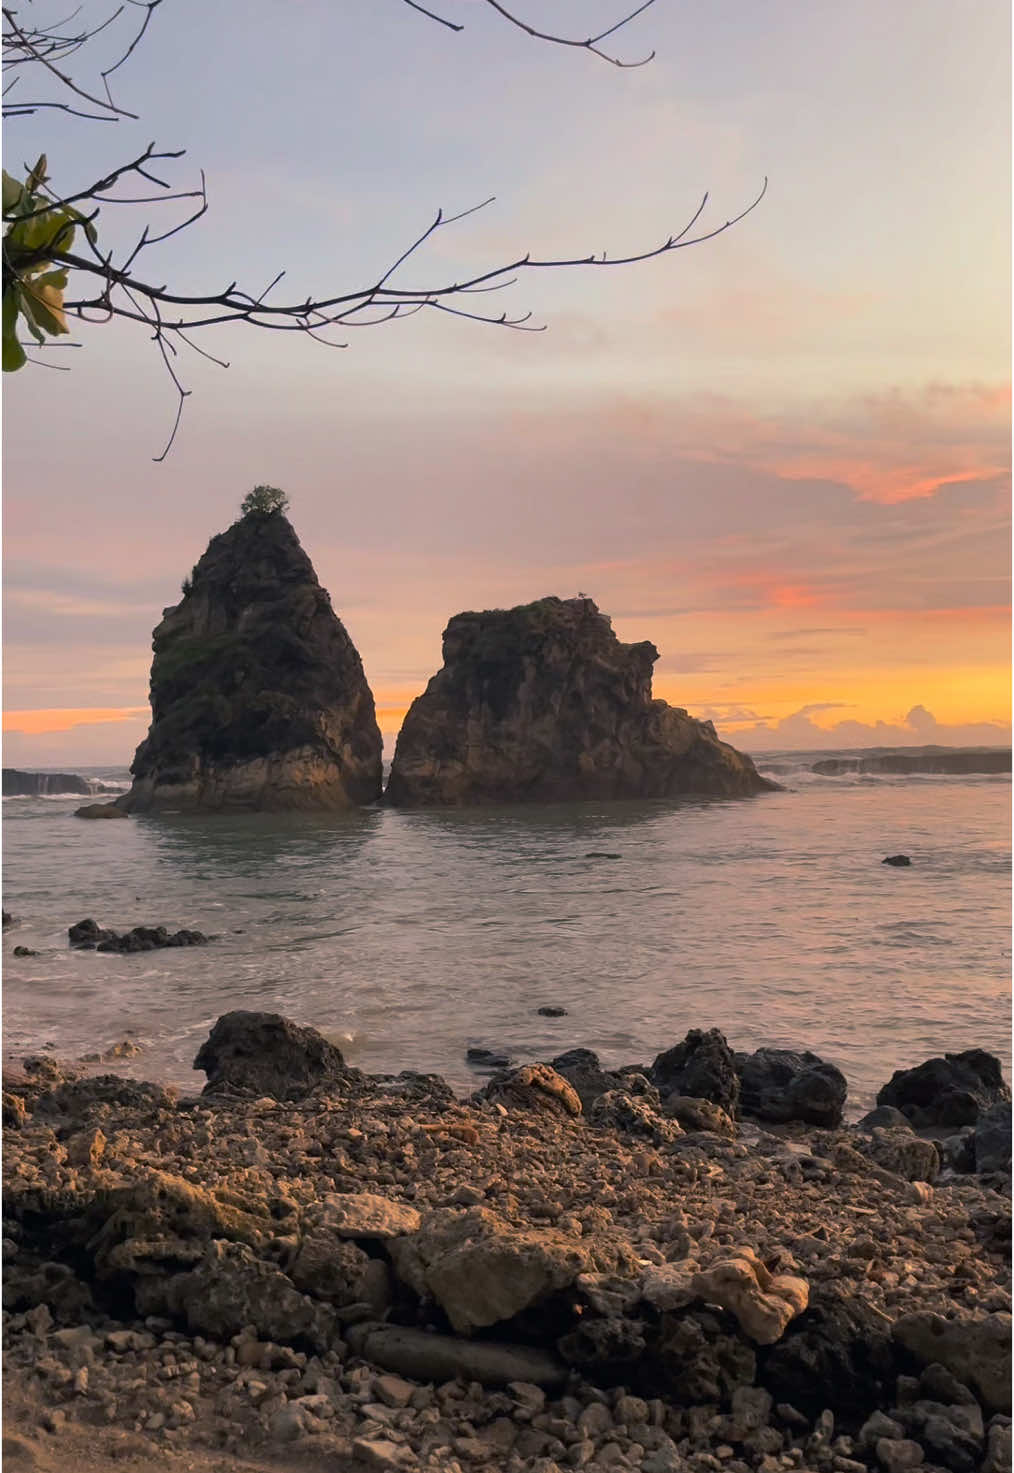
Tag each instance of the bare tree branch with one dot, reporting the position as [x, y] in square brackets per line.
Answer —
[591, 43]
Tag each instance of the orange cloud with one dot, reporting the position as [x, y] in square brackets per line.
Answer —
[39, 723]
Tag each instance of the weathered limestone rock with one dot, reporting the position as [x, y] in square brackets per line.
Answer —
[581, 1068]
[954, 1090]
[362, 1215]
[534, 1087]
[481, 1271]
[977, 1352]
[703, 1066]
[258, 695]
[265, 1054]
[163, 1219]
[780, 1084]
[633, 1115]
[231, 1288]
[542, 703]
[762, 1303]
[699, 1115]
[899, 1150]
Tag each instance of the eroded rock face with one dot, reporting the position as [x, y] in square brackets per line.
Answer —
[258, 695]
[265, 1054]
[542, 703]
[953, 1090]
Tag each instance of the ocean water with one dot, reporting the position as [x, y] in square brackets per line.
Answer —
[409, 937]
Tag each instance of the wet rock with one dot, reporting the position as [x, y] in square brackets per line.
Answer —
[482, 1271]
[702, 1066]
[100, 810]
[149, 938]
[630, 1115]
[551, 1010]
[782, 1084]
[534, 1087]
[440, 1358]
[24, 951]
[87, 933]
[8, 919]
[992, 1138]
[700, 1115]
[977, 1352]
[231, 1288]
[266, 1054]
[762, 1303]
[487, 1058]
[953, 1090]
[900, 861]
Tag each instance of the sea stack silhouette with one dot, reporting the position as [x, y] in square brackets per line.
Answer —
[542, 703]
[258, 695]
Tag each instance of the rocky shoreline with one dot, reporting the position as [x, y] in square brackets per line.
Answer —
[572, 1268]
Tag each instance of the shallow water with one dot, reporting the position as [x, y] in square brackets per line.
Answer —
[408, 937]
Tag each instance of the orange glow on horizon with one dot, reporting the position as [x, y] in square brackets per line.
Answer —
[41, 723]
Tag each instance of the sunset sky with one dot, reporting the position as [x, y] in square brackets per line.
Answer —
[783, 456]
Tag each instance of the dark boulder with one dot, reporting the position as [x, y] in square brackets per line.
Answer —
[150, 938]
[487, 1059]
[24, 951]
[101, 810]
[884, 1117]
[778, 1084]
[266, 1054]
[702, 1066]
[8, 919]
[581, 1069]
[837, 1354]
[550, 1010]
[899, 861]
[992, 1138]
[87, 933]
[953, 1090]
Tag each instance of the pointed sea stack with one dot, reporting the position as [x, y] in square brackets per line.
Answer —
[258, 696]
[542, 703]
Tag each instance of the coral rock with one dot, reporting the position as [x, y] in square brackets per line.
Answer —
[762, 1303]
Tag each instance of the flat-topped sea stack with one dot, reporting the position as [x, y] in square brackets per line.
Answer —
[542, 703]
[258, 695]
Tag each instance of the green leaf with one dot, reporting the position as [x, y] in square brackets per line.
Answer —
[13, 353]
[13, 190]
[28, 313]
[38, 175]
